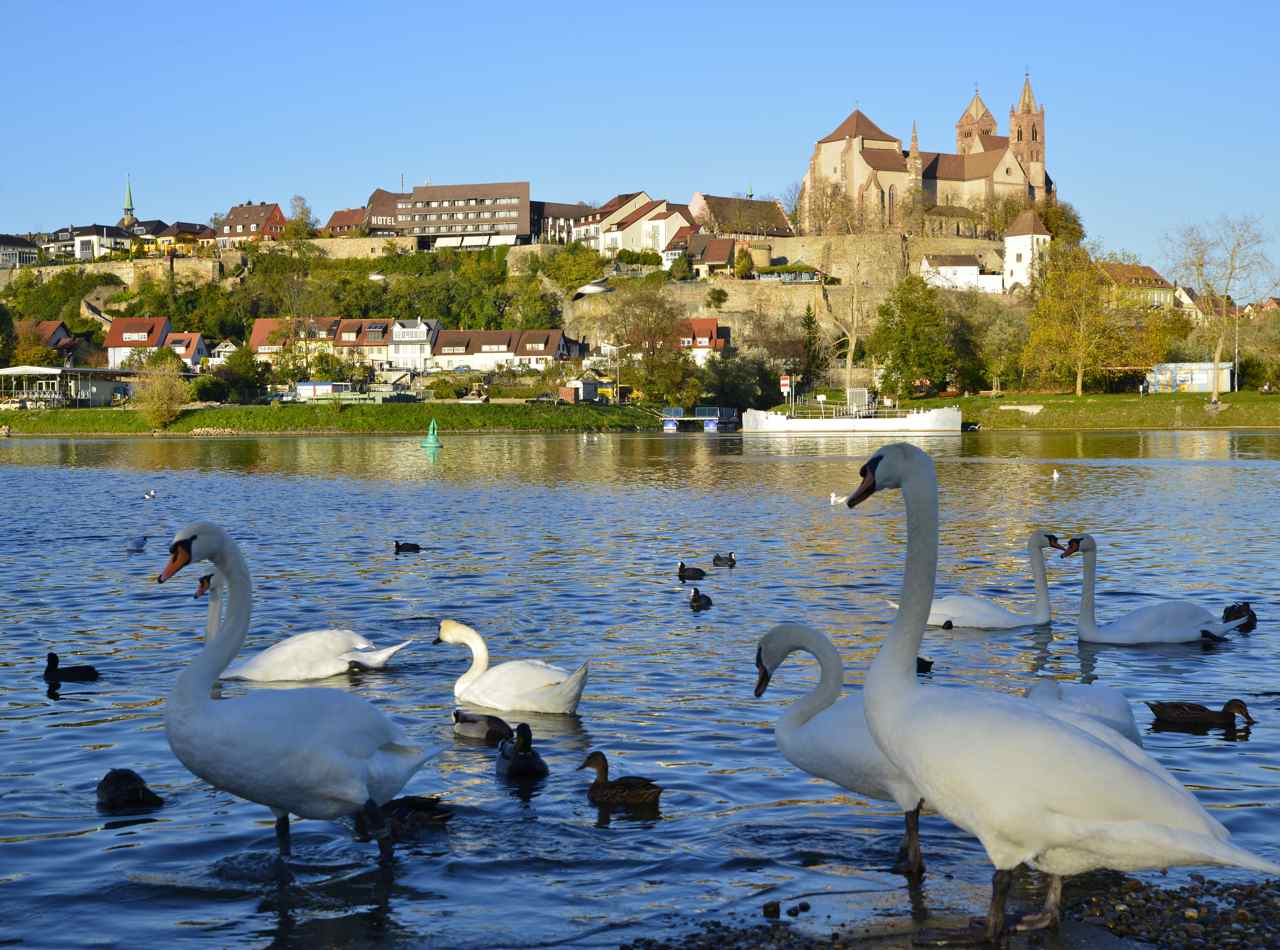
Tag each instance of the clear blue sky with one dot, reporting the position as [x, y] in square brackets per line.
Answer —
[1157, 115]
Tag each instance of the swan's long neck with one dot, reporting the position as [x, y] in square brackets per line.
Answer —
[829, 683]
[214, 623]
[222, 645]
[892, 677]
[1035, 554]
[479, 658]
[1088, 622]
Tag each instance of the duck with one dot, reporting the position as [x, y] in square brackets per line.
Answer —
[149, 494]
[627, 790]
[828, 737]
[923, 666]
[54, 673]
[1056, 476]
[1168, 621]
[699, 600]
[490, 729]
[514, 686]
[1101, 703]
[408, 547]
[1062, 794]
[690, 573]
[965, 610]
[124, 790]
[1241, 609]
[311, 752]
[311, 655]
[1193, 714]
[136, 545]
[518, 759]
[724, 560]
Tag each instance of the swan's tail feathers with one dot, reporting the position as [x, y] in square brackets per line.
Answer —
[374, 659]
[566, 694]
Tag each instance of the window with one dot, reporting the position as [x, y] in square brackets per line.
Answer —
[1019, 258]
[686, 341]
[535, 347]
[135, 338]
[493, 348]
[1019, 135]
[226, 229]
[239, 228]
[453, 349]
[1035, 135]
[893, 200]
[403, 204]
[253, 227]
[348, 336]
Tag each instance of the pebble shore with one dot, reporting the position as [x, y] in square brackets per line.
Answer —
[1102, 910]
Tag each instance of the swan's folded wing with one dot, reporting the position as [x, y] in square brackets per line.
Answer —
[970, 747]
[519, 676]
[314, 654]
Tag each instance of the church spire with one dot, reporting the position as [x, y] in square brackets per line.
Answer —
[915, 139]
[128, 219]
[1028, 101]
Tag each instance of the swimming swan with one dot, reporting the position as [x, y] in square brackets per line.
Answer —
[966, 610]
[1033, 789]
[1169, 621]
[827, 736]
[312, 655]
[514, 686]
[1103, 704]
[312, 752]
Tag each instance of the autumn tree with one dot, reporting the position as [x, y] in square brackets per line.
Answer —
[1221, 260]
[644, 319]
[743, 266]
[160, 393]
[30, 350]
[1072, 332]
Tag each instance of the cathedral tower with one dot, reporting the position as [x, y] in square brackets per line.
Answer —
[1026, 138]
[975, 122]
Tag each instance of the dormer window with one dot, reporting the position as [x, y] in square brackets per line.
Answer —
[135, 337]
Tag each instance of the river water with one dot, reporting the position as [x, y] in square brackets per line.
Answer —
[564, 548]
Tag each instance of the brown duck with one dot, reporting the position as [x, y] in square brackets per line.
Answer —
[1193, 714]
[628, 790]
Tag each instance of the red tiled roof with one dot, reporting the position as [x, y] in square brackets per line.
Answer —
[550, 340]
[190, 344]
[706, 327]
[154, 327]
[681, 238]
[345, 220]
[247, 215]
[43, 330]
[1133, 275]
[639, 214]
[951, 167]
[365, 332]
[993, 143]
[1028, 222]
[268, 331]
[884, 159]
[856, 125]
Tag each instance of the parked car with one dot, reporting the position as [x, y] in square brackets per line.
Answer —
[462, 369]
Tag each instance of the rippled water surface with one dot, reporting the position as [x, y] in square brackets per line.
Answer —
[564, 548]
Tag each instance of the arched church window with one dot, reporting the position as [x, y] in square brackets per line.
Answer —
[1019, 135]
[893, 200]
[1035, 135]
[882, 209]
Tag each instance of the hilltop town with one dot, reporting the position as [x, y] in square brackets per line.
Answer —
[711, 297]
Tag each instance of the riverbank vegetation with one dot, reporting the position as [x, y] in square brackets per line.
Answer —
[368, 419]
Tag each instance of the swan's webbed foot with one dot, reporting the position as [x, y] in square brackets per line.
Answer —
[1049, 915]
[1001, 881]
[910, 862]
[375, 825]
[282, 836]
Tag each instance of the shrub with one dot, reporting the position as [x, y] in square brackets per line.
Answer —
[209, 389]
[160, 395]
[651, 258]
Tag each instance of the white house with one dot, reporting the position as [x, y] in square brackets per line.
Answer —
[218, 355]
[959, 272]
[88, 243]
[190, 348]
[128, 335]
[1024, 242]
[411, 343]
[479, 350]
[591, 227]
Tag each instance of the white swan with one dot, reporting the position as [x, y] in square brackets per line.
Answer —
[1170, 621]
[830, 739]
[1103, 704]
[1033, 789]
[316, 753]
[966, 610]
[514, 686]
[313, 655]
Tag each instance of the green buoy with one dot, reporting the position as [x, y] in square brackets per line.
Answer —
[432, 441]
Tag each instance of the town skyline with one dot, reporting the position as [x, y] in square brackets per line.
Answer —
[1136, 138]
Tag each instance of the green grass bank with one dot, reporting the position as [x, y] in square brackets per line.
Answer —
[389, 419]
[1244, 410]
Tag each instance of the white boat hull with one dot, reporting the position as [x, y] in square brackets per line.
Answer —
[946, 419]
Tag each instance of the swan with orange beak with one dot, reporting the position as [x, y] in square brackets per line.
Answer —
[315, 753]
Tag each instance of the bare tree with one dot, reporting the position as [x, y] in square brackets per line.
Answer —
[852, 322]
[1219, 260]
[792, 195]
